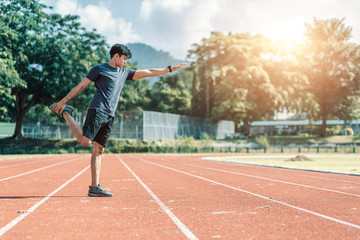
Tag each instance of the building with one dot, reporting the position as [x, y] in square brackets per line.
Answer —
[293, 127]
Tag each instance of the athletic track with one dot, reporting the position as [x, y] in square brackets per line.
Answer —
[173, 197]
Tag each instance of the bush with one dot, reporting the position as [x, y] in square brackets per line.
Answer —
[262, 141]
[333, 130]
[349, 131]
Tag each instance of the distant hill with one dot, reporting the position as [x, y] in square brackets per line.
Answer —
[146, 56]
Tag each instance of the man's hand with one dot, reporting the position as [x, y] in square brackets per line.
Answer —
[177, 67]
[59, 107]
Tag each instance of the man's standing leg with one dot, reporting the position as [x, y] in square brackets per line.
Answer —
[98, 150]
[95, 190]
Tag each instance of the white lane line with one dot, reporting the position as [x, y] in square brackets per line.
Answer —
[274, 180]
[260, 196]
[331, 179]
[178, 223]
[39, 169]
[251, 164]
[297, 174]
[29, 162]
[7, 227]
[282, 166]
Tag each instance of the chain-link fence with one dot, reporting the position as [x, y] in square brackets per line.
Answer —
[145, 125]
[156, 125]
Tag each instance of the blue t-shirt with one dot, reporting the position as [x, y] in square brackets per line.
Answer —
[109, 82]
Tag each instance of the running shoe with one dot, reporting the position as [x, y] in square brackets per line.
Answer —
[98, 191]
[68, 108]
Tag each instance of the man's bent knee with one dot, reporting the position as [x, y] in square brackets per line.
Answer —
[98, 148]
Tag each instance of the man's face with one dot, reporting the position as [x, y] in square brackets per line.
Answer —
[120, 60]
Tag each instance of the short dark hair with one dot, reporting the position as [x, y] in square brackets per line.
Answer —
[120, 49]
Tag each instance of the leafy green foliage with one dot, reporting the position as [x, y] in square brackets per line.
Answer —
[50, 53]
[135, 94]
[249, 78]
[232, 80]
[170, 95]
[332, 69]
[262, 141]
[9, 78]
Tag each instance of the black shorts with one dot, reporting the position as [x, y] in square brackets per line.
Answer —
[97, 126]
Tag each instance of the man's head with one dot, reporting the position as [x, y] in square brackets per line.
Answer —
[120, 49]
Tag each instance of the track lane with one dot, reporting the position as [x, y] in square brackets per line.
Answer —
[274, 180]
[21, 193]
[14, 222]
[23, 169]
[38, 169]
[5, 161]
[131, 214]
[282, 194]
[184, 229]
[315, 199]
[27, 161]
[207, 209]
[288, 198]
[337, 182]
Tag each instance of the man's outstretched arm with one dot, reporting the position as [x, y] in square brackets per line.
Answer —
[155, 71]
[59, 107]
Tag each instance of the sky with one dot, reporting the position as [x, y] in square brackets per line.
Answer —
[174, 25]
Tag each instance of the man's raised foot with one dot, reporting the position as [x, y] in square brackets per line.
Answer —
[68, 108]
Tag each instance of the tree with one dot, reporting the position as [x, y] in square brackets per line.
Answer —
[287, 73]
[9, 78]
[206, 57]
[50, 53]
[333, 68]
[135, 94]
[171, 95]
[231, 71]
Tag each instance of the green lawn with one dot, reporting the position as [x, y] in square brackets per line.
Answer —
[6, 129]
[333, 162]
[275, 140]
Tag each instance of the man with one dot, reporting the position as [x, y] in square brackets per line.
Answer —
[109, 79]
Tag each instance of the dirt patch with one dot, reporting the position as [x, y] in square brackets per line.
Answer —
[299, 158]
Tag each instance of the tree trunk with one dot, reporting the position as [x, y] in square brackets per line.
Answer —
[193, 93]
[18, 127]
[246, 129]
[21, 110]
[323, 126]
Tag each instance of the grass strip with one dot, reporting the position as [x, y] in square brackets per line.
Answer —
[334, 162]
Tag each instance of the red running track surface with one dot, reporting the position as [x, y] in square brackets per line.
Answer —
[173, 197]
